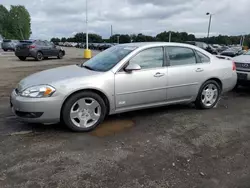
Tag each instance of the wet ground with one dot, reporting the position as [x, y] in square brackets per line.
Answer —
[175, 146]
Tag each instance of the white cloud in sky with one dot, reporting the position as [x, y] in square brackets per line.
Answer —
[63, 18]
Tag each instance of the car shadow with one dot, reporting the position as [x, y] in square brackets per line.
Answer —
[112, 125]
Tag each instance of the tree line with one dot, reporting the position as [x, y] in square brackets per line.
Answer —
[163, 36]
[15, 23]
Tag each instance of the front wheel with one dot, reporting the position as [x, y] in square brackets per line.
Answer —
[22, 58]
[5, 50]
[208, 95]
[83, 111]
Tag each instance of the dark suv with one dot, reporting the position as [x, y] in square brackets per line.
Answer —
[204, 46]
[38, 49]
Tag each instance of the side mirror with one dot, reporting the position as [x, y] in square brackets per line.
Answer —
[132, 67]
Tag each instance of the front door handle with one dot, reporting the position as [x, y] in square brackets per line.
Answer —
[199, 70]
[158, 74]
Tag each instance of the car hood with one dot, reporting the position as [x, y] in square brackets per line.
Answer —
[242, 59]
[55, 75]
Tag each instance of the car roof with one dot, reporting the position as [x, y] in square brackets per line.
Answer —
[152, 44]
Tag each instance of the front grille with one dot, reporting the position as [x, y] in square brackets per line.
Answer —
[242, 65]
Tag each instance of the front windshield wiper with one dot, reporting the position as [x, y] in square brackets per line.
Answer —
[87, 67]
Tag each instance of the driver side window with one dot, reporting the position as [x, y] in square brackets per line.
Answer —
[149, 58]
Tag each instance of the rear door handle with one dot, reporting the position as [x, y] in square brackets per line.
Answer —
[199, 70]
[158, 74]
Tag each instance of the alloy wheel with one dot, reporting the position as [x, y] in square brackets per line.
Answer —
[209, 95]
[85, 112]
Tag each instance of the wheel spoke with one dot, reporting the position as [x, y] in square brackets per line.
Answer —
[82, 104]
[73, 114]
[84, 122]
[93, 105]
[204, 92]
[204, 101]
[94, 116]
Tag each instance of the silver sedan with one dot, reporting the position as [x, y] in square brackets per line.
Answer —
[123, 78]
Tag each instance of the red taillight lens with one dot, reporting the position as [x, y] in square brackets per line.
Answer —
[31, 46]
[234, 66]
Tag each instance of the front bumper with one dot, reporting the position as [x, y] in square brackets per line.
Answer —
[36, 110]
[243, 77]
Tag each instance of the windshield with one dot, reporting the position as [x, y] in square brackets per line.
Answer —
[107, 59]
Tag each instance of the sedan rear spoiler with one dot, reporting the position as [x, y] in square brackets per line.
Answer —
[224, 57]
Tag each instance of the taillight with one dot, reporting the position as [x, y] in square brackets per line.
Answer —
[234, 66]
[31, 46]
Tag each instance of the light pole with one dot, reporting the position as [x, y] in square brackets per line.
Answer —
[209, 24]
[87, 52]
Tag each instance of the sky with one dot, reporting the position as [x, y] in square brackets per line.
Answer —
[64, 18]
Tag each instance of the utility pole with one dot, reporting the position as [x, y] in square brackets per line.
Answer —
[87, 52]
[111, 33]
[87, 32]
[169, 36]
[209, 24]
[118, 39]
[111, 30]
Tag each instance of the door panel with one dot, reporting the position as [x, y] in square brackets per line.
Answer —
[145, 86]
[140, 87]
[185, 75]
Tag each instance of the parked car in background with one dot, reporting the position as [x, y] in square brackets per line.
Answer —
[232, 52]
[1, 41]
[8, 44]
[242, 63]
[38, 49]
[204, 46]
[123, 78]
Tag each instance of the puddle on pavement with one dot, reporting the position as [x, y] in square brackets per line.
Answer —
[112, 127]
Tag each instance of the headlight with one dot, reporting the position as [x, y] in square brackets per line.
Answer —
[38, 91]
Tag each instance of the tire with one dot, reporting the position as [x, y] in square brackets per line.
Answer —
[72, 107]
[60, 55]
[39, 56]
[202, 101]
[236, 87]
[22, 58]
[5, 50]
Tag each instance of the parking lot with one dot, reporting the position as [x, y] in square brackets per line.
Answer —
[175, 146]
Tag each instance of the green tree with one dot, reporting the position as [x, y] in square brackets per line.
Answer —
[55, 40]
[63, 39]
[122, 38]
[3, 21]
[19, 22]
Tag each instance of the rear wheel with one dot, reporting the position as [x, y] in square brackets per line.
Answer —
[22, 58]
[83, 111]
[39, 56]
[208, 95]
[60, 55]
[5, 50]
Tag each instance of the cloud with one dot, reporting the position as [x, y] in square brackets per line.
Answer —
[64, 18]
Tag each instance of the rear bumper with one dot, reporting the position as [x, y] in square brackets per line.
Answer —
[230, 82]
[27, 53]
[36, 110]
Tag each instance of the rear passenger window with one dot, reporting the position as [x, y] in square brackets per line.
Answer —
[181, 56]
[203, 58]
